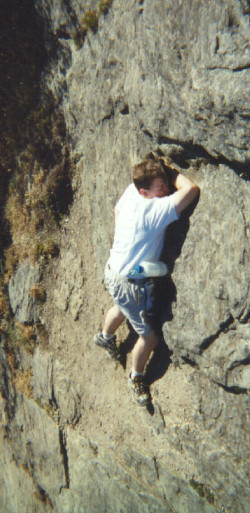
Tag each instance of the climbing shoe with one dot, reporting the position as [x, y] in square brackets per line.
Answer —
[109, 345]
[140, 391]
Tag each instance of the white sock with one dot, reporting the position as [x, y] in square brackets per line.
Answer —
[106, 336]
[134, 374]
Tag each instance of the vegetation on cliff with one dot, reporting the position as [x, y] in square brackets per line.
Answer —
[35, 179]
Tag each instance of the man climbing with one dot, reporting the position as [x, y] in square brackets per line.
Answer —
[142, 214]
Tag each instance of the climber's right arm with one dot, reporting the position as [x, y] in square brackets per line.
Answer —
[186, 191]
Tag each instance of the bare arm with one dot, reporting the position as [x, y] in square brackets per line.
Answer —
[186, 191]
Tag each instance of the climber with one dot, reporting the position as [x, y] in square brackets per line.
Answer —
[142, 214]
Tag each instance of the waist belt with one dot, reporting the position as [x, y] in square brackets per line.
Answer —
[130, 280]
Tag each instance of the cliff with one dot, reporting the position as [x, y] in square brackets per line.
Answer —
[167, 77]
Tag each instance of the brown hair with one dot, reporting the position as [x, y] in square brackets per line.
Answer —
[146, 171]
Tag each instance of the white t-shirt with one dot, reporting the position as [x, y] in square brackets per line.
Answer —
[139, 230]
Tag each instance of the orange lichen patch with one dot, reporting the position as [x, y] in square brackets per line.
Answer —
[22, 382]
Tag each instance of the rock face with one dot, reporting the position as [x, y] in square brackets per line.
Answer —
[173, 78]
[212, 274]
[20, 292]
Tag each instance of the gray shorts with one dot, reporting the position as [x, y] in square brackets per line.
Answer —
[135, 299]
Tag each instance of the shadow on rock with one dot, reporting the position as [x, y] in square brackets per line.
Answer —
[175, 236]
[166, 292]
[127, 345]
[150, 409]
[158, 363]
[186, 150]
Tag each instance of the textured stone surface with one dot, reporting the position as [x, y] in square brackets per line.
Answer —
[69, 291]
[38, 445]
[105, 485]
[211, 276]
[172, 77]
[22, 302]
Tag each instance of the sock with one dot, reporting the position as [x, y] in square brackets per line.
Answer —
[107, 337]
[134, 374]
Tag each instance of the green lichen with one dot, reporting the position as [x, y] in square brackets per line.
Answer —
[203, 491]
[89, 21]
[104, 6]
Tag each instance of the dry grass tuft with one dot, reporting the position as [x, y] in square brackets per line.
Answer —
[19, 335]
[22, 382]
[104, 6]
[89, 21]
[38, 292]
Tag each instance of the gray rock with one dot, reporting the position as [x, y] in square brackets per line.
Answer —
[42, 376]
[34, 443]
[172, 77]
[68, 291]
[108, 488]
[23, 304]
[65, 397]
[211, 277]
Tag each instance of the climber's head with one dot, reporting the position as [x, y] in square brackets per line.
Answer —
[151, 179]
